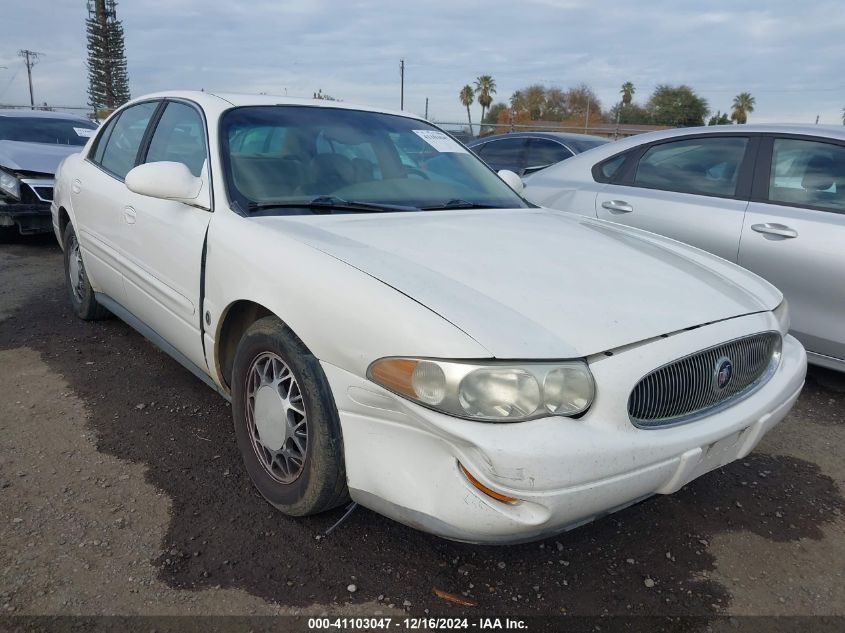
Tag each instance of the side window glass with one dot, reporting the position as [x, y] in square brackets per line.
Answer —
[542, 152]
[504, 154]
[808, 173]
[97, 154]
[179, 137]
[122, 146]
[706, 166]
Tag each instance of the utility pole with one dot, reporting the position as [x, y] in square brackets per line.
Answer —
[30, 58]
[426, 108]
[402, 84]
[587, 118]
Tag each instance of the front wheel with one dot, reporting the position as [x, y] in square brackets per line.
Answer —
[286, 423]
[79, 288]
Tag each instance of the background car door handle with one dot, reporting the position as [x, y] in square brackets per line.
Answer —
[76, 185]
[780, 230]
[617, 206]
[129, 215]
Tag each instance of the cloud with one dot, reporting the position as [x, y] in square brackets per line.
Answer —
[787, 54]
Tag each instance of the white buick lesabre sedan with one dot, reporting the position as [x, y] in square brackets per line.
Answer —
[394, 324]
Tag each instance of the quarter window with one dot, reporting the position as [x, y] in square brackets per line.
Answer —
[808, 173]
[179, 137]
[706, 166]
[121, 150]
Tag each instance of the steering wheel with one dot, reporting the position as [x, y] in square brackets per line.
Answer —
[413, 171]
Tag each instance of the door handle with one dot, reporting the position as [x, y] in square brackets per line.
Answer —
[129, 215]
[76, 185]
[617, 206]
[781, 230]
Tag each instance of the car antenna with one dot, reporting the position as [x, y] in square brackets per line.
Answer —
[349, 510]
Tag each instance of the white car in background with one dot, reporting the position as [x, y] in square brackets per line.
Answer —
[768, 197]
[396, 325]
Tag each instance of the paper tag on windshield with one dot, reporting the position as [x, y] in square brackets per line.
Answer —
[84, 132]
[440, 141]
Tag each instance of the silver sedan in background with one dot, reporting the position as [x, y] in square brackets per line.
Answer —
[770, 198]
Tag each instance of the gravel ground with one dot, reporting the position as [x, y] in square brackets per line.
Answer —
[122, 492]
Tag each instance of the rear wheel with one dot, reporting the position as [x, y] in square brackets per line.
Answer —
[79, 288]
[286, 422]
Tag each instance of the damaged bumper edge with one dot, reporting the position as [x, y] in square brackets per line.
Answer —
[28, 218]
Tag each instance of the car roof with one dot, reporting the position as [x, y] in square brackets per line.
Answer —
[40, 114]
[557, 136]
[219, 101]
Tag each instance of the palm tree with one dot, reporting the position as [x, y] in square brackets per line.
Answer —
[467, 96]
[485, 88]
[742, 105]
[627, 91]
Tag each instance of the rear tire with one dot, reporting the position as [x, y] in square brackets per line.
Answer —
[79, 289]
[286, 423]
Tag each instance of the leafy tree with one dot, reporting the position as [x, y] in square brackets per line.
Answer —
[720, 118]
[581, 100]
[678, 106]
[108, 80]
[742, 105]
[631, 114]
[467, 96]
[518, 102]
[627, 91]
[535, 101]
[485, 88]
[493, 113]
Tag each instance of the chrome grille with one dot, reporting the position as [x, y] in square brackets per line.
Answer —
[689, 387]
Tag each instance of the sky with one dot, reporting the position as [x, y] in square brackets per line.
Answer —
[788, 54]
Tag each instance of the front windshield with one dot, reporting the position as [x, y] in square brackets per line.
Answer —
[45, 130]
[283, 155]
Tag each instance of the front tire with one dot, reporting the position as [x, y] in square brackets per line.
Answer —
[286, 423]
[79, 289]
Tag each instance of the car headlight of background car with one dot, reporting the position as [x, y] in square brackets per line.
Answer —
[10, 184]
[489, 391]
[782, 315]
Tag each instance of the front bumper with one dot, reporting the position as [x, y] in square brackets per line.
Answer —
[402, 459]
[28, 218]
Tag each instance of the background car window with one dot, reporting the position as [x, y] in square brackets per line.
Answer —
[46, 130]
[179, 137]
[507, 153]
[122, 146]
[808, 173]
[542, 151]
[707, 166]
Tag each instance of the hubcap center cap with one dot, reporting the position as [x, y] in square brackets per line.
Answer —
[271, 417]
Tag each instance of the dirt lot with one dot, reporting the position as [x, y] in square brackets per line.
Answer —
[122, 492]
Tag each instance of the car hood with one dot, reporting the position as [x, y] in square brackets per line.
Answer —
[536, 283]
[43, 158]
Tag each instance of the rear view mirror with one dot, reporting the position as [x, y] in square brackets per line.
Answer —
[166, 180]
[511, 180]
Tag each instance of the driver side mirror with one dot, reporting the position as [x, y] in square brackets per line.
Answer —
[512, 180]
[168, 180]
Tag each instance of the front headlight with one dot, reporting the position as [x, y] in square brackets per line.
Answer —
[489, 391]
[10, 184]
[782, 315]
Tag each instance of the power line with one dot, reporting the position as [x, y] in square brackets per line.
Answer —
[30, 58]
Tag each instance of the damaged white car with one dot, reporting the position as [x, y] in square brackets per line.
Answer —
[394, 324]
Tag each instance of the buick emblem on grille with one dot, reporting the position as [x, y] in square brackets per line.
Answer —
[722, 373]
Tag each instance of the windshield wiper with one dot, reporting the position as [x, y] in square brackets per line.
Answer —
[332, 203]
[457, 203]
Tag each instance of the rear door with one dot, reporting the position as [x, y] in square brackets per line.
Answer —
[694, 189]
[99, 197]
[794, 234]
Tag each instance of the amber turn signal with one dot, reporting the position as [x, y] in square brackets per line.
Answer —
[498, 496]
